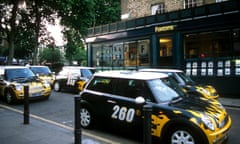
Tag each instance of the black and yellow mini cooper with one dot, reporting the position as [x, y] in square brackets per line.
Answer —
[44, 73]
[72, 78]
[14, 78]
[116, 99]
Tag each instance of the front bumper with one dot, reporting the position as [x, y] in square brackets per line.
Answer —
[221, 135]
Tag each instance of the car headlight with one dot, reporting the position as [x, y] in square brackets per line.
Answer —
[18, 87]
[46, 84]
[207, 122]
[205, 91]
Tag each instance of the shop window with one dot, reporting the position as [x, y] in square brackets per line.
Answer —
[96, 55]
[130, 54]
[143, 52]
[106, 55]
[158, 8]
[136, 53]
[117, 54]
[133, 53]
[210, 44]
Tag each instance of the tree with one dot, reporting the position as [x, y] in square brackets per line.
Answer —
[106, 11]
[51, 55]
[9, 23]
[81, 56]
[29, 19]
[25, 26]
[96, 12]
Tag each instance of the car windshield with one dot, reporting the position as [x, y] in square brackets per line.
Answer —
[87, 73]
[161, 90]
[41, 70]
[15, 74]
[186, 78]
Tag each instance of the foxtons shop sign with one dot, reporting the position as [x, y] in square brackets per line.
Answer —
[164, 28]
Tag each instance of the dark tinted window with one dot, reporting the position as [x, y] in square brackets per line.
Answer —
[132, 88]
[101, 85]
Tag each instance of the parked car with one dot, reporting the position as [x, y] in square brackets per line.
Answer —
[72, 78]
[44, 73]
[14, 78]
[208, 91]
[116, 99]
[3, 61]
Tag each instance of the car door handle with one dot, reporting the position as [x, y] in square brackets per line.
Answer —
[111, 101]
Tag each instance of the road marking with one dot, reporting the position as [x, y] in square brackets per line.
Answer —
[60, 125]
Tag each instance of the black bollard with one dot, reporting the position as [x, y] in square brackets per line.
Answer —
[77, 129]
[147, 109]
[26, 105]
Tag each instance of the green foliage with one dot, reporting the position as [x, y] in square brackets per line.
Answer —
[106, 11]
[80, 56]
[75, 15]
[51, 55]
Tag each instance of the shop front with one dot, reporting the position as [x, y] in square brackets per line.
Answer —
[203, 41]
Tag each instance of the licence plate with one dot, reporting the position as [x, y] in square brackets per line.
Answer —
[36, 94]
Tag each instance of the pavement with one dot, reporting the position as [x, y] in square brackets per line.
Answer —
[39, 130]
[43, 131]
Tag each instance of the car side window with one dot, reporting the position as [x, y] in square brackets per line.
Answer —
[131, 88]
[101, 85]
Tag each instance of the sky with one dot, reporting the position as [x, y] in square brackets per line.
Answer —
[55, 31]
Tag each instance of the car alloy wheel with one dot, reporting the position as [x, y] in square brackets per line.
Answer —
[182, 137]
[9, 98]
[86, 118]
[56, 86]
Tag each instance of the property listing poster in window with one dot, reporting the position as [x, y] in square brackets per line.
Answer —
[227, 70]
[220, 68]
[203, 68]
[237, 67]
[210, 68]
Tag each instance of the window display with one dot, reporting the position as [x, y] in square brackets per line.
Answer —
[133, 53]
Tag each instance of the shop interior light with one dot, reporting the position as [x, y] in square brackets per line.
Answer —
[164, 40]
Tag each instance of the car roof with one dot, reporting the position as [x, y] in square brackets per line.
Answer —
[37, 66]
[11, 67]
[160, 70]
[130, 74]
[77, 67]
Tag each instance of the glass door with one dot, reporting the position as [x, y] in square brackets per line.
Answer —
[166, 58]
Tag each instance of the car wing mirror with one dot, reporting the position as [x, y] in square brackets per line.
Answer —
[140, 100]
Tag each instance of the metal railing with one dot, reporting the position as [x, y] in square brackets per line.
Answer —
[161, 19]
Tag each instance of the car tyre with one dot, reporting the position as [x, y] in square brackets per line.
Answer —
[9, 97]
[56, 86]
[86, 118]
[183, 135]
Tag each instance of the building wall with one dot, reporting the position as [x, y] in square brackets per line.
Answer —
[142, 8]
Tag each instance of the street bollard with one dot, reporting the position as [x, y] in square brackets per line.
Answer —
[26, 105]
[77, 126]
[147, 109]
